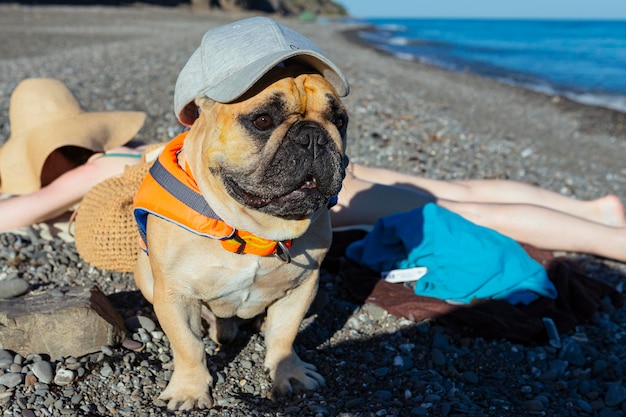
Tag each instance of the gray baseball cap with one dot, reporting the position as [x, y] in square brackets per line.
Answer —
[233, 57]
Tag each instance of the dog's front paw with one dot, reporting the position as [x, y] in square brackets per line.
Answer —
[187, 395]
[292, 374]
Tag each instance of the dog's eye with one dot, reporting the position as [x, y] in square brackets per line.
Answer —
[264, 122]
[339, 122]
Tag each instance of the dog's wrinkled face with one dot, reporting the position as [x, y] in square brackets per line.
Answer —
[298, 137]
[280, 151]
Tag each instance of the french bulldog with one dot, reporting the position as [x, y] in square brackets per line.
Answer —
[268, 164]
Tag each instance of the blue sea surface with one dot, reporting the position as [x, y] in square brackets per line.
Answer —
[584, 60]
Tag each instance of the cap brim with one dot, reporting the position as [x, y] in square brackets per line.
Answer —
[241, 81]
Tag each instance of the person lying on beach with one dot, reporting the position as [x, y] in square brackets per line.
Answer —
[49, 182]
[55, 152]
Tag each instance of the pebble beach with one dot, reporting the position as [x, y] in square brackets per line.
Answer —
[404, 116]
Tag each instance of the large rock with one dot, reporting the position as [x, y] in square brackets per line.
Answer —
[76, 323]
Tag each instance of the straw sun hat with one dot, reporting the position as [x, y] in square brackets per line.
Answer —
[104, 226]
[44, 116]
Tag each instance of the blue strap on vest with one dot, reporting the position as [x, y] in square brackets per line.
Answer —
[175, 187]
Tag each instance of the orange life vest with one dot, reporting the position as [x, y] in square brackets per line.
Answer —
[170, 192]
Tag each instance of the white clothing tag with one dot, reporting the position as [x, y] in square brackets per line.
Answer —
[404, 275]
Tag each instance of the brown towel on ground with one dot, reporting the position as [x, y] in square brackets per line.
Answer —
[579, 298]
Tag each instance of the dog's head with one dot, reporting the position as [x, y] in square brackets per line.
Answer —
[270, 161]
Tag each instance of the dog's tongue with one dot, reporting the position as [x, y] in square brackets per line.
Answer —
[310, 183]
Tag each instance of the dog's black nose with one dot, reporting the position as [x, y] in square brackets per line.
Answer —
[309, 134]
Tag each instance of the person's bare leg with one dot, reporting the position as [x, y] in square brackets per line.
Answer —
[607, 210]
[362, 202]
[545, 228]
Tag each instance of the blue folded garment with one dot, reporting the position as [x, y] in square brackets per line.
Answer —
[464, 261]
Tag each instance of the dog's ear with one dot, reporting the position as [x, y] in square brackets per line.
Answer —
[191, 111]
[203, 102]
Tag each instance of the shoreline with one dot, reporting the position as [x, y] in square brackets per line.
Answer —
[613, 120]
[353, 35]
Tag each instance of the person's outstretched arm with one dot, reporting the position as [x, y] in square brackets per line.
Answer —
[61, 194]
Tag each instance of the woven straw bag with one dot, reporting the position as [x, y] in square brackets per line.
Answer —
[104, 226]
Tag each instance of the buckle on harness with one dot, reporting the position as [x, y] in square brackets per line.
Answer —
[282, 252]
[242, 243]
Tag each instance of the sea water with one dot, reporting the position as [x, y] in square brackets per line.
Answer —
[584, 60]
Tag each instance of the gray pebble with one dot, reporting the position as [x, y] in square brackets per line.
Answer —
[440, 340]
[157, 335]
[559, 366]
[398, 360]
[107, 350]
[320, 411]
[533, 405]
[381, 372]
[33, 357]
[41, 389]
[6, 358]
[549, 375]
[106, 371]
[607, 412]
[11, 379]
[419, 411]
[432, 398]
[599, 367]
[438, 357]
[375, 312]
[584, 406]
[59, 404]
[354, 402]
[615, 394]
[383, 395]
[470, 377]
[13, 287]
[43, 371]
[48, 401]
[73, 365]
[143, 337]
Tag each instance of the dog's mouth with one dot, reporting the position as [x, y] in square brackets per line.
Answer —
[297, 202]
[307, 188]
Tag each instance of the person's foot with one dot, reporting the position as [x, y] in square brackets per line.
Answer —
[609, 210]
